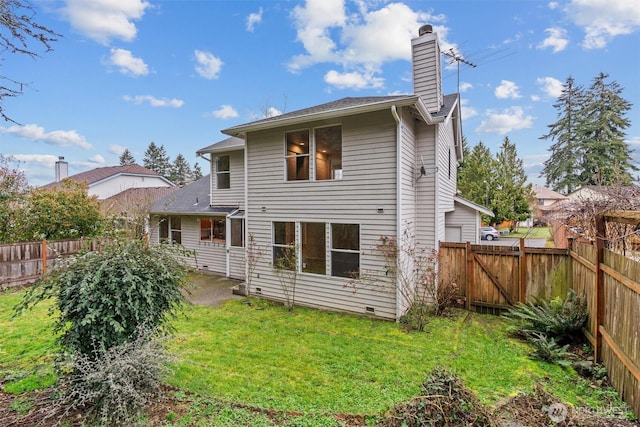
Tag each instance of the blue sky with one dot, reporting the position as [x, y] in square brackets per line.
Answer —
[128, 72]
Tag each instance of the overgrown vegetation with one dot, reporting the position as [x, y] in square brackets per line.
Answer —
[111, 305]
[286, 268]
[550, 326]
[411, 270]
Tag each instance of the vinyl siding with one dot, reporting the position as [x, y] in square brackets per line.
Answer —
[236, 263]
[233, 196]
[368, 183]
[425, 187]
[467, 219]
[427, 81]
[210, 256]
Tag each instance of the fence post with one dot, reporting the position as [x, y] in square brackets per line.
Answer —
[598, 303]
[469, 282]
[523, 272]
[44, 257]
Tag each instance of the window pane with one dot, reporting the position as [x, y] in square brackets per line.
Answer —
[328, 152]
[220, 229]
[345, 236]
[205, 229]
[223, 180]
[313, 247]
[297, 142]
[345, 264]
[222, 164]
[163, 228]
[297, 155]
[284, 233]
[237, 232]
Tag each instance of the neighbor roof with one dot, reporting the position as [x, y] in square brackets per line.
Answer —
[191, 199]
[547, 193]
[136, 198]
[97, 175]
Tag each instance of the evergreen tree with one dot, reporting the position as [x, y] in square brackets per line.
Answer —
[156, 159]
[607, 157]
[512, 193]
[589, 137]
[197, 172]
[180, 170]
[126, 158]
[561, 169]
[475, 173]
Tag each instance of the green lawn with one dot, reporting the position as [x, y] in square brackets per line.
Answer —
[257, 353]
[533, 233]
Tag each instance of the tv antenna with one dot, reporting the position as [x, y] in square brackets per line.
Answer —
[458, 58]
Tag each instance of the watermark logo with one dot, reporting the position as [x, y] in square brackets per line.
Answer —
[557, 412]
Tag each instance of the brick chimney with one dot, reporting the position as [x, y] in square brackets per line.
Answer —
[427, 73]
[62, 169]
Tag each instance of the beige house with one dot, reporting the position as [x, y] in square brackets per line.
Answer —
[327, 182]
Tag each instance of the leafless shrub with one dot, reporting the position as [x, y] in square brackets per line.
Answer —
[115, 385]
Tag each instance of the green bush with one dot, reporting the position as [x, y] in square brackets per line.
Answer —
[558, 318]
[102, 297]
[547, 348]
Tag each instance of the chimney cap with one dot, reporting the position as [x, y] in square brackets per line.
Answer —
[425, 29]
[60, 158]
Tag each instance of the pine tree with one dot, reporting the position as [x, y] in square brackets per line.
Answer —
[180, 171]
[126, 158]
[561, 169]
[607, 157]
[197, 172]
[156, 159]
[512, 193]
[475, 173]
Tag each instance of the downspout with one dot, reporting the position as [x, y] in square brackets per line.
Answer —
[436, 189]
[394, 113]
[245, 151]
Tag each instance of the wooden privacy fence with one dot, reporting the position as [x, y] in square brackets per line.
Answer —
[24, 263]
[494, 278]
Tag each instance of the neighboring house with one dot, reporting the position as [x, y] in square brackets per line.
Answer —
[109, 181]
[545, 198]
[600, 193]
[328, 182]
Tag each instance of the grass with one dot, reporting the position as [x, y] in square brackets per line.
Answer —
[532, 233]
[312, 362]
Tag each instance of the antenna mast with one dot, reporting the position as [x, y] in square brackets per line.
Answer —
[458, 58]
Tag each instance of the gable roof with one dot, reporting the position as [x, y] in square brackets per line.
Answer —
[473, 206]
[346, 106]
[97, 175]
[191, 199]
[547, 193]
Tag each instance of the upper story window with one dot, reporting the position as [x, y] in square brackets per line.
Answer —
[326, 163]
[223, 176]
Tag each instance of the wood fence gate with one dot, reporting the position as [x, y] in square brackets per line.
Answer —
[494, 278]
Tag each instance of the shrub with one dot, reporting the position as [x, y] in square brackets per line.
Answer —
[114, 385]
[558, 318]
[547, 348]
[103, 297]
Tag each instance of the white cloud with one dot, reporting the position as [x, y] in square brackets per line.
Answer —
[353, 80]
[468, 112]
[556, 39]
[253, 19]
[97, 159]
[116, 149]
[359, 42]
[553, 5]
[153, 101]
[465, 86]
[604, 20]
[225, 112]
[535, 98]
[209, 65]
[61, 138]
[550, 86]
[272, 112]
[103, 20]
[506, 121]
[506, 90]
[46, 160]
[127, 63]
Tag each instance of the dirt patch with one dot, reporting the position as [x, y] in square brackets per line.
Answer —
[211, 289]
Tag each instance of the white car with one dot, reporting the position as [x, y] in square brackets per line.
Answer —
[489, 233]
